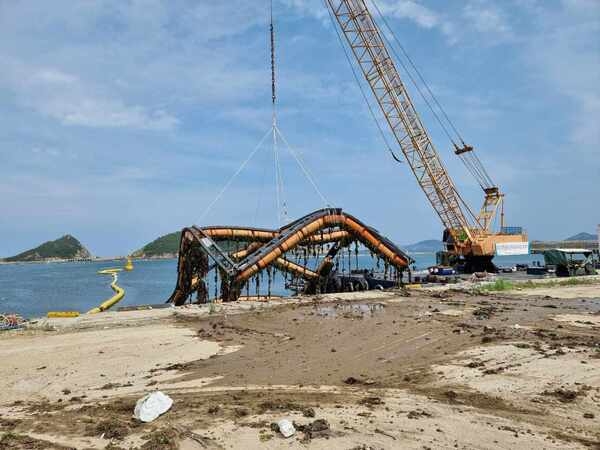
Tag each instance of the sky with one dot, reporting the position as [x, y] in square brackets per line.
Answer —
[122, 120]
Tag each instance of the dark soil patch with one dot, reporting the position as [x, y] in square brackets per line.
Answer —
[12, 441]
[167, 439]
[110, 429]
[567, 395]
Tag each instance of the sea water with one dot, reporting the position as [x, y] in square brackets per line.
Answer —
[34, 289]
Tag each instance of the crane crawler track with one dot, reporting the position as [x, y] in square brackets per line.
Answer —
[266, 249]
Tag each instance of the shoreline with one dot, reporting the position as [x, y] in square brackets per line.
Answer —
[397, 371]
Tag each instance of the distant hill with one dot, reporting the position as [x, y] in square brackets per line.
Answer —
[164, 246]
[167, 246]
[427, 246]
[66, 247]
[582, 237]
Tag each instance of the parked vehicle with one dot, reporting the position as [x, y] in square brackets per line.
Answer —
[569, 262]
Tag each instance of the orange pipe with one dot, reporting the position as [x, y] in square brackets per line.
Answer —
[232, 233]
[249, 249]
[334, 219]
[296, 268]
[265, 236]
[332, 236]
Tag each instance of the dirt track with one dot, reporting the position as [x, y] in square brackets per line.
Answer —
[449, 370]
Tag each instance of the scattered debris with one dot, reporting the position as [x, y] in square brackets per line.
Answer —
[108, 386]
[308, 412]
[484, 312]
[475, 364]
[11, 322]
[353, 380]
[241, 412]
[417, 414]
[370, 401]
[109, 429]
[265, 436]
[522, 345]
[317, 428]
[377, 430]
[451, 395]
[565, 395]
[162, 440]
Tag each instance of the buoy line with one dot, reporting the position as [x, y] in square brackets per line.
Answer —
[119, 291]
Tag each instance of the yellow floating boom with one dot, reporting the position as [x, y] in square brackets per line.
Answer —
[62, 314]
[119, 291]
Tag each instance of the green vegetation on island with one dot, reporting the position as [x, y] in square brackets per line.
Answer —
[66, 247]
[167, 246]
[164, 246]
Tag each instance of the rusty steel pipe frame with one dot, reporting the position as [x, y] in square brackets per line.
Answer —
[266, 247]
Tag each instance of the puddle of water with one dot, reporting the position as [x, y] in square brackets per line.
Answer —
[351, 310]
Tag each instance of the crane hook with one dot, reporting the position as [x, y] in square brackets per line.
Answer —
[398, 160]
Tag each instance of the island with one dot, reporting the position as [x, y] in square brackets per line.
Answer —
[166, 246]
[64, 248]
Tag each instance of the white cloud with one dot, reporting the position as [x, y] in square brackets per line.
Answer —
[66, 98]
[486, 17]
[564, 54]
[412, 10]
[312, 8]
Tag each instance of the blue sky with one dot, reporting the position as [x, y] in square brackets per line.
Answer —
[121, 120]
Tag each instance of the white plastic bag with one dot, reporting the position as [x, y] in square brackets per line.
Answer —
[286, 428]
[151, 406]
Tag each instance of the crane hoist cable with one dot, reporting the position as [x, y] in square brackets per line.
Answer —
[272, 30]
[275, 133]
[360, 86]
[473, 163]
[418, 72]
[279, 185]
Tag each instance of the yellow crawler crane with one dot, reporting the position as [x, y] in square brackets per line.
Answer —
[469, 238]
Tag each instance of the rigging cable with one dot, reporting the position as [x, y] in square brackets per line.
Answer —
[298, 159]
[260, 195]
[237, 172]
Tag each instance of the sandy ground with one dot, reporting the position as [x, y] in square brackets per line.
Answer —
[354, 371]
[581, 291]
